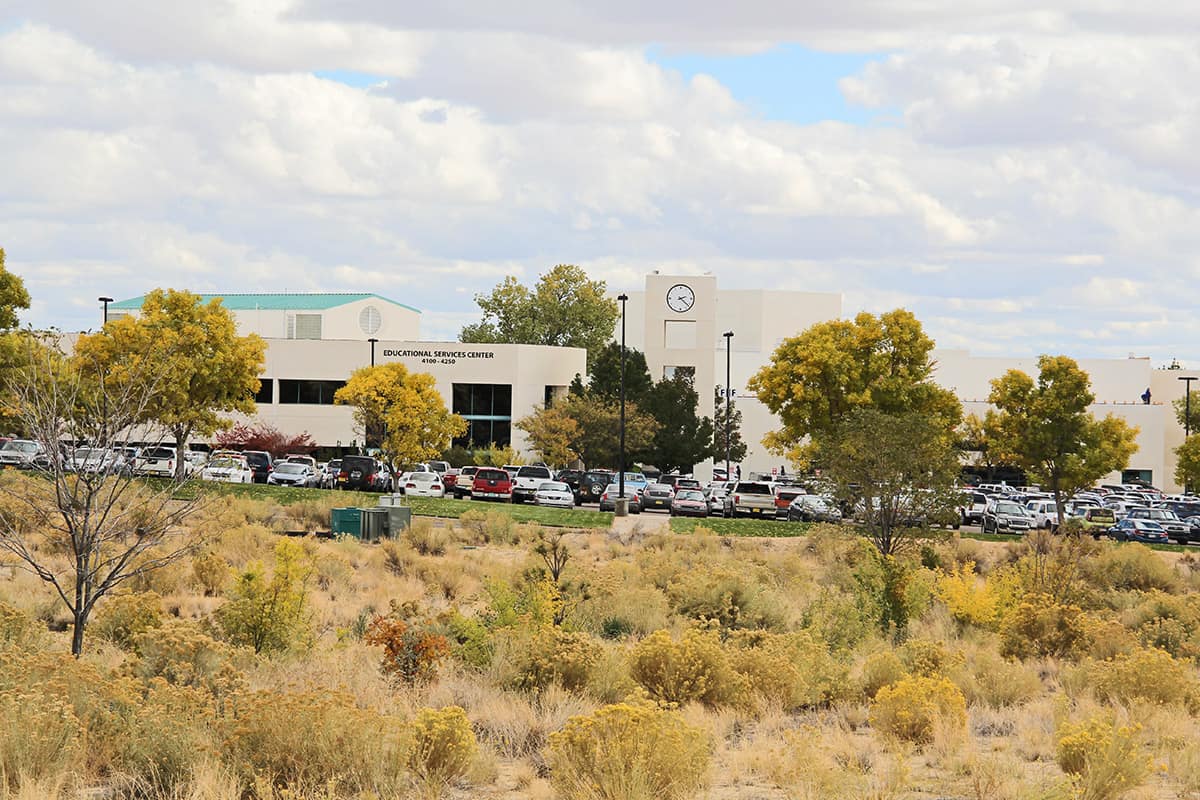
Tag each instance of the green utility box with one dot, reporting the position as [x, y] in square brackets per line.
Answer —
[374, 524]
[346, 521]
[399, 518]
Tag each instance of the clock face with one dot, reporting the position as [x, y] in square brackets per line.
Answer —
[680, 298]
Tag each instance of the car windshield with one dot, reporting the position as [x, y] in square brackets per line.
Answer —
[690, 494]
[291, 468]
[20, 446]
[423, 477]
[552, 486]
[1010, 508]
[225, 462]
[754, 488]
[88, 452]
[533, 472]
[491, 475]
[159, 452]
[635, 477]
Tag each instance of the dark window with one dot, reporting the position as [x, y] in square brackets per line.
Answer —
[502, 404]
[488, 410]
[317, 393]
[266, 392]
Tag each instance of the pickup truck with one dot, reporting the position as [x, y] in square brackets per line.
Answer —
[750, 498]
[527, 482]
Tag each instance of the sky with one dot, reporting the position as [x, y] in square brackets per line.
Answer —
[1023, 176]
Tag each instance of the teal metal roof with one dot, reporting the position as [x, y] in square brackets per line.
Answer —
[317, 301]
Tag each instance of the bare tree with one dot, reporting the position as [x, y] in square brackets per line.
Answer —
[85, 524]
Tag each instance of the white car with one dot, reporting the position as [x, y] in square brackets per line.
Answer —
[553, 493]
[228, 469]
[95, 460]
[157, 461]
[290, 473]
[424, 484]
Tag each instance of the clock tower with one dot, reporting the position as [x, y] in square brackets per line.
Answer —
[681, 329]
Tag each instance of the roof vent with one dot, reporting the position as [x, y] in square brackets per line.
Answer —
[370, 321]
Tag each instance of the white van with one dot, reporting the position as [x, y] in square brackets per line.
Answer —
[1044, 513]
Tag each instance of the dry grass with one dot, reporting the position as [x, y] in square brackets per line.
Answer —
[473, 582]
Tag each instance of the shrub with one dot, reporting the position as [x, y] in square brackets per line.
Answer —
[892, 589]
[1039, 626]
[631, 751]
[410, 653]
[1104, 757]
[554, 656]
[880, 669]
[793, 669]
[729, 597]
[472, 637]
[18, 630]
[1145, 674]
[183, 655]
[972, 600]
[40, 737]
[1169, 622]
[913, 708]
[990, 680]
[492, 527]
[210, 572]
[170, 729]
[310, 739]
[426, 538]
[693, 668]
[442, 748]
[1131, 566]
[270, 615]
[121, 618]
[928, 658]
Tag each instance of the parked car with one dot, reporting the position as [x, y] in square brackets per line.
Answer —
[156, 462]
[94, 461]
[715, 495]
[1044, 513]
[1097, 520]
[301, 459]
[462, 484]
[228, 469]
[658, 495]
[608, 498]
[261, 462]
[812, 508]
[750, 498]
[491, 484]
[357, 472]
[687, 483]
[1006, 516]
[383, 480]
[689, 503]
[1173, 526]
[424, 484]
[527, 481]
[592, 485]
[971, 511]
[1132, 529]
[196, 459]
[784, 495]
[20, 453]
[557, 494]
[440, 467]
[570, 477]
[293, 473]
[329, 473]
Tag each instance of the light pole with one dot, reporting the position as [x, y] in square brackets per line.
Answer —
[372, 341]
[728, 400]
[106, 301]
[621, 504]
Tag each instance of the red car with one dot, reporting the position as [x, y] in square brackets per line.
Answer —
[492, 484]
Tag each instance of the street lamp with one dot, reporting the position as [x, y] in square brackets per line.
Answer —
[621, 504]
[106, 301]
[728, 400]
[372, 341]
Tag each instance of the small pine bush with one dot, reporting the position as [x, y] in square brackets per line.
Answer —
[210, 573]
[731, 598]
[695, 668]
[913, 708]
[441, 749]
[121, 618]
[631, 751]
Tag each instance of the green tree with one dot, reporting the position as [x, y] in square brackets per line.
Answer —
[406, 407]
[1046, 428]
[977, 438]
[565, 309]
[204, 368]
[604, 373]
[598, 441]
[684, 438]
[899, 469]
[12, 296]
[270, 615]
[737, 447]
[552, 433]
[1181, 412]
[1187, 468]
[815, 379]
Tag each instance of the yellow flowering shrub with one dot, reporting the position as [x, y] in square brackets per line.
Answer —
[40, 736]
[928, 657]
[121, 618]
[1040, 626]
[880, 669]
[694, 668]
[970, 600]
[632, 751]
[554, 656]
[183, 655]
[913, 708]
[18, 630]
[1145, 674]
[1103, 758]
[441, 748]
[792, 669]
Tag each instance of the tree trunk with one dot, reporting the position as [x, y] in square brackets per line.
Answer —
[77, 634]
[1058, 500]
[181, 439]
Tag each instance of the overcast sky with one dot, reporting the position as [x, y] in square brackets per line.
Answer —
[1024, 176]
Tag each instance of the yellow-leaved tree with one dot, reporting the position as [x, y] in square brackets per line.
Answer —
[202, 368]
[552, 434]
[403, 410]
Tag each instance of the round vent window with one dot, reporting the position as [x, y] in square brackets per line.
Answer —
[370, 321]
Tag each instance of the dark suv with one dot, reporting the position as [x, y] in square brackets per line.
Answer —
[591, 486]
[358, 472]
[260, 463]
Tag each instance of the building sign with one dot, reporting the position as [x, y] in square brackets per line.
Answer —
[439, 356]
